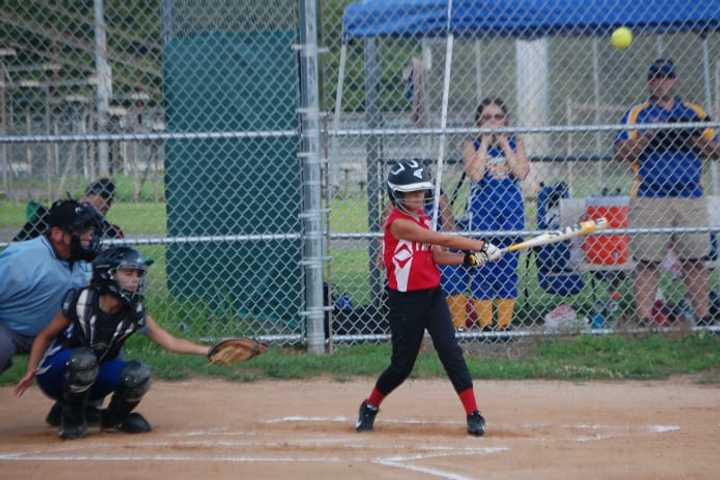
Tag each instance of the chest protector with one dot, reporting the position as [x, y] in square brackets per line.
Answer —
[90, 327]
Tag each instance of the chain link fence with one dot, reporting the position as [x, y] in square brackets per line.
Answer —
[249, 144]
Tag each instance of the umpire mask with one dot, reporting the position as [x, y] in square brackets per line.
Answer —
[75, 219]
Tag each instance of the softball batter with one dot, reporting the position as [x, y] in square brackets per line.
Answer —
[411, 254]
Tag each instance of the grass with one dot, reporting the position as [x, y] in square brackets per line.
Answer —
[349, 270]
[652, 357]
[580, 358]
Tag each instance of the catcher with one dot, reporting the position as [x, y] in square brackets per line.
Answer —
[83, 363]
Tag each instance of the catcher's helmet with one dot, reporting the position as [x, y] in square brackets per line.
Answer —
[408, 176]
[109, 261]
[74, 218]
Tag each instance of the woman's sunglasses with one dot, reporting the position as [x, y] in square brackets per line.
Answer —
[496, 116]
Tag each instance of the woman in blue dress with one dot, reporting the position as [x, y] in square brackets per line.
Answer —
[496, 164]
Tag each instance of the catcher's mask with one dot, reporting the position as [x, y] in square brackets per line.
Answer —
[408, 176]
[75, 218]
[106, 266]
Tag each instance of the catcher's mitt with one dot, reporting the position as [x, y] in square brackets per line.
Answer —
[233, 350]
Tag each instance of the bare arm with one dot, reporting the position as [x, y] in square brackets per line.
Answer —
[445, 257]
[517, 160]
[707, 146]
[630, 150]
[39, 346]
[406, 230]
[171, 343]
[475, 162]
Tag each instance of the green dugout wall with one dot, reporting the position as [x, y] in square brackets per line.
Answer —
[219, 82]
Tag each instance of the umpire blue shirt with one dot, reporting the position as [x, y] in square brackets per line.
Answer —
[33, 283]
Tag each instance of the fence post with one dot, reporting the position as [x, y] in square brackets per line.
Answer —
[312, 197]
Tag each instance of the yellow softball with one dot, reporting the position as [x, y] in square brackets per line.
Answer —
[621, 38]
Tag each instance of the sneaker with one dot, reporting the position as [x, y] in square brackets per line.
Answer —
[135, 423]
[92, 415]
[476, 424]
[71, 432]
[366, 417]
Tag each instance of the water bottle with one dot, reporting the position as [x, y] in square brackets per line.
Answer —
[597, 320]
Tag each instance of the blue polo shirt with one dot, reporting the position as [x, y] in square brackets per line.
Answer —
[33, 283]
[669, 166]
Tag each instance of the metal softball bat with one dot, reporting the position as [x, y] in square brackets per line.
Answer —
[583, 228]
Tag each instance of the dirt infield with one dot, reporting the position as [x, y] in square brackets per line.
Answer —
[537, 430]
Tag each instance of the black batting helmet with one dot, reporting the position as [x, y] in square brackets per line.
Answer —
[408, 176]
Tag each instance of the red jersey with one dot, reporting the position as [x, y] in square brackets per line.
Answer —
[409, 265]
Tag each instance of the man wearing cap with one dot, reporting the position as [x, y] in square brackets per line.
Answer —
[99, 194]
[667, 191]
[36, 274]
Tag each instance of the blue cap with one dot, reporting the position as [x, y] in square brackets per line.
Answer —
[662, 67]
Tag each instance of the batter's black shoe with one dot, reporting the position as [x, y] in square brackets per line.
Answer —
[476, 424]
[133, 423]
[92, 415]
[366, 417]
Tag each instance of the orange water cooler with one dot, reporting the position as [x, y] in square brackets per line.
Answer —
[608, 249]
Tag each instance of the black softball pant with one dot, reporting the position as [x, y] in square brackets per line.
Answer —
[411, 313]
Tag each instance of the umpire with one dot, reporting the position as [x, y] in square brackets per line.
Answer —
[36, 274]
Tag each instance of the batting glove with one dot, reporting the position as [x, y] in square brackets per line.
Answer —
[471, 259]
[490, 253]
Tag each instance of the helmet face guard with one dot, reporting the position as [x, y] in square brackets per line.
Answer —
[80, 252]
[130, 297]
[109, 262]
[397, 198]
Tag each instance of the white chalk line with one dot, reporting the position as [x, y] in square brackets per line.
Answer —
[60, 454]
[351, 420]
[173, 458]
[401, 462]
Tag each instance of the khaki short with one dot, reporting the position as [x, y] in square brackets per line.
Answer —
[665, 213]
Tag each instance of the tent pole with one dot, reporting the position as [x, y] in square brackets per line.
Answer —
[338, 102]
[341, 80]
[596, 107]
[443, 116]
[709, 107]
[478, 70]
[375, 167]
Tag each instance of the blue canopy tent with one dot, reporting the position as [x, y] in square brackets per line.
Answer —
[524, 18]
[369, 20]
